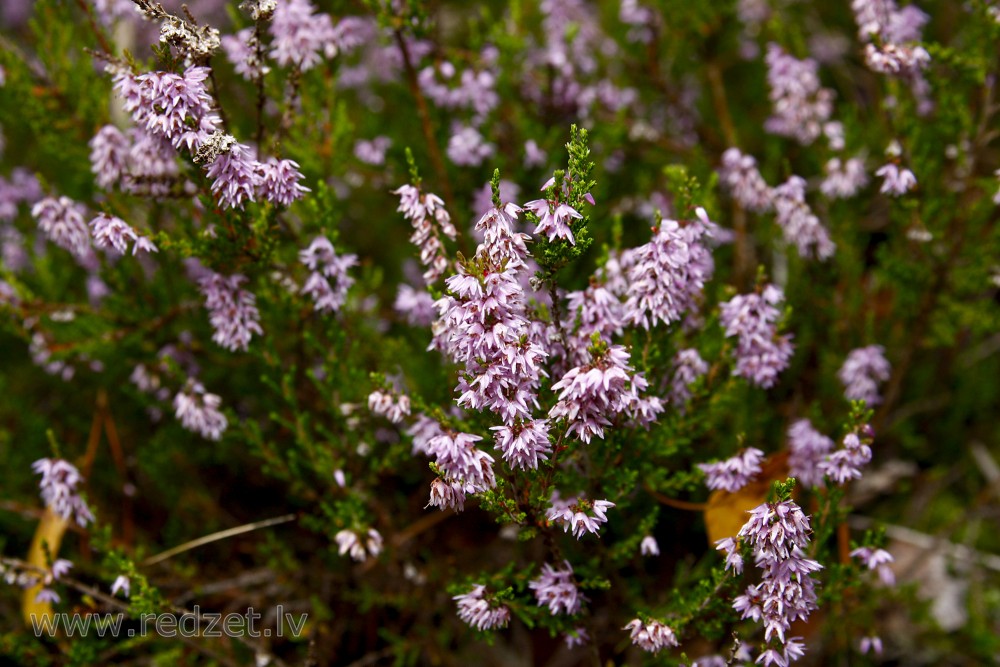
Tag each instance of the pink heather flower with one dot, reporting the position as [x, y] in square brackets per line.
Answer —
[801, 105]
[896, 181]
[236, 177]
[423, 430]
[392, 406]
[878, 560]
[688, 367]
[327, 266]
[593, 310]
[572, 514]
[241, 51]
[555, 589]
[652, 637]
[47, 595]
[554, 219]
[863, 370]
[360, 547]
[469, 90]
[63, 221]
[232, 311]
[807, 448]
[111, 232]
[668, 274]
[468, 148]
[730, 547]
[457, 456]
[576, 637]
[173, 106]
[122, 584]
[22, 187]
[799, 225]
[523, 444]
[198, 411]
[649, 547]
[739, 174]
[151, 165]
[734, 473]
[448, 495]
[279, 181]
[109, 150]
[592, 393]
[845, 464]
[897, 59]
[58, 489]
[415, 306]
[479, 612]
[844, 179]
[421, 209]
[761, 353]
[534, 156]
[873, 644]
[372, 152]
[301, 37]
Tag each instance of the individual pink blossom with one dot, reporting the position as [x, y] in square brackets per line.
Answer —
[649, 547]
[279, 181]
[652, 636]
[896, 181]
[573, 515]
[112, 232]
[121, 583]
[359, 547]
[878, 560]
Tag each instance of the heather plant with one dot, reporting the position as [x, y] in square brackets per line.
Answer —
[554, 332]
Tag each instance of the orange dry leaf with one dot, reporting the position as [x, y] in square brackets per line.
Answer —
[725, 513]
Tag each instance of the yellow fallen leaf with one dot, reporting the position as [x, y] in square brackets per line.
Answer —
[50, 531]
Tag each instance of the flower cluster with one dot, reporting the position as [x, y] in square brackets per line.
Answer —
[734, 473]
[420, 209]
[58, 486]
[112, 232]
[863, 370]
[761, 354]
[359, 547]
[556, 590]
[778, 533]
[232, 311]
[329, 281]
[801, 105]
[572, 514]
[394, 407]
[480, 612]
[63, 221]
[845, 464]
[807, 448]
[198, 411]
[688, 367]
[878, 560]
[652, 636]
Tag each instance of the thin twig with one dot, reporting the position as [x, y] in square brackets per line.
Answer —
[221, 535]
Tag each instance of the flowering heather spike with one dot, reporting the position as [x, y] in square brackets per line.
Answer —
[457, 456]
[109, 151]
[448, 494]
[468, 148]
[372, 152]
[801, 105]
[554, 218]
[734, 473]
[199, 412]
[761, 353]
[235, 176]
[241, 51]
[798, 223]
[279, 182]
[420, 210]
[232, 311]
[58, 489]
[392, 406]
[730, 547]
[652, 637]
[111, 232]
[572, 514]
[423, 430]
[62, 220]
[415, 306]
[807, 449]
[555, 589]
[479, 612]
[688, 367]
[326, 267]
[845, 464]
[667, 274]
[863, 370]
[739, 174]
[173, 106]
